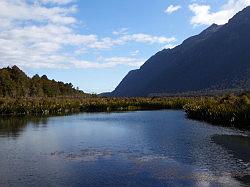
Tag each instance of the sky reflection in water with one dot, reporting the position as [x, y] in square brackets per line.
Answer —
[135, 148]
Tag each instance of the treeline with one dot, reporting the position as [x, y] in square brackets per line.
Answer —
[231, 110]
[15, 83]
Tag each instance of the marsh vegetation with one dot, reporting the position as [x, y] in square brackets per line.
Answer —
[230, 110]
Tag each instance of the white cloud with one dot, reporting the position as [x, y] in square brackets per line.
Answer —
[204, 16]
[108, 62]
[135, 53]
[62, 2]
[134, 62]
[121, 31]
[22, 11]
[172, 8]
[169, 46]
[40, 36]
[145, 38]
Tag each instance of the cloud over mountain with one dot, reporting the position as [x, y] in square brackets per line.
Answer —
[204, 16]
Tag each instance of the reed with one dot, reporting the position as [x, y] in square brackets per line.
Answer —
[230, 110]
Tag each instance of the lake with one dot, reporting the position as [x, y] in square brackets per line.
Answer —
[144, 148]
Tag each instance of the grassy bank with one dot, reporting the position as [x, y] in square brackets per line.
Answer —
[229, 110]
[64, 105]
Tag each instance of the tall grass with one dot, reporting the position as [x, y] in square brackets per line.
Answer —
[228, 110]
[61, 105]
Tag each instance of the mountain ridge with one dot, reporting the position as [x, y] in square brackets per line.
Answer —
[216, 59]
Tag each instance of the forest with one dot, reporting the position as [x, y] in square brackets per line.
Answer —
[15, 83]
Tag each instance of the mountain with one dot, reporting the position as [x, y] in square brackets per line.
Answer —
[15, 83]
[216, 59]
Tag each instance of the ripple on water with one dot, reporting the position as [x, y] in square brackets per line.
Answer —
[86, 155]
[139, 148]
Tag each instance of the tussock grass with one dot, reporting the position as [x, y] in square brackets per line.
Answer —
[230, 110]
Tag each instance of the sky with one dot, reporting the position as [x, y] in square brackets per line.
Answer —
[94, 43]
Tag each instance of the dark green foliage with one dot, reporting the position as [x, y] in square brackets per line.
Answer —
[15, 83]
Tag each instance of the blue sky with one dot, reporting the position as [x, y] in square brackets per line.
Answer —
[94, 43]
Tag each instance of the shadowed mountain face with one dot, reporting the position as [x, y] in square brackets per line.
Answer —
[216, 59]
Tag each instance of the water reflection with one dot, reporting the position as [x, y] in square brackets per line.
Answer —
[14, 126]
[239, 148]
[154, 148]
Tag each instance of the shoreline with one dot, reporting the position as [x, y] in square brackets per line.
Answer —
[228, 111]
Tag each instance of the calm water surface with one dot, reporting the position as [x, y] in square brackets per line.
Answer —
[146, 148]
